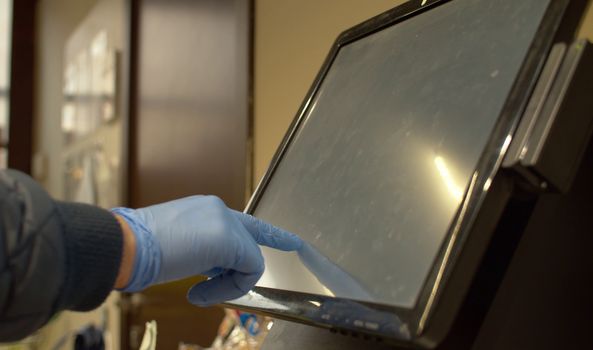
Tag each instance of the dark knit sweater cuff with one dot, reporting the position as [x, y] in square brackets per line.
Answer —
[94, 246]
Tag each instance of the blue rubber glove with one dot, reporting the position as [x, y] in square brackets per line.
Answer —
[199, 235]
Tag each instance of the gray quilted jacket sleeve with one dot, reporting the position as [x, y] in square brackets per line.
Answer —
[53, 256]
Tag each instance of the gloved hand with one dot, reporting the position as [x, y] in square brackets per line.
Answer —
[199, 235]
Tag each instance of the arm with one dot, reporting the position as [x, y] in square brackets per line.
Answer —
[54, 256]
[58, 255]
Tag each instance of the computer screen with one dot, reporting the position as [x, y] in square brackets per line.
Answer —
[377, 169]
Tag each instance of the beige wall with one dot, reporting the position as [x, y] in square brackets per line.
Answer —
[64, 29]
[292, 38]
[587, 24]
[56, 20]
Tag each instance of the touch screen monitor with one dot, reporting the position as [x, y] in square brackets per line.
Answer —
[373, 172]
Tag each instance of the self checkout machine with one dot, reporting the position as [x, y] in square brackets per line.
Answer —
[440, 172]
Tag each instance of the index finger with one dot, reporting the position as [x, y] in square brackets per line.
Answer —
[269, 235]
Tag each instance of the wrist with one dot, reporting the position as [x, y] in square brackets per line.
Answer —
[128, 254]
[145, 263]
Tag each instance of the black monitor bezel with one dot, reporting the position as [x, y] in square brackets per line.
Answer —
[422, 332]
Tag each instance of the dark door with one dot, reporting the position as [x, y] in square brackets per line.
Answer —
[192, 106]
[189, 134]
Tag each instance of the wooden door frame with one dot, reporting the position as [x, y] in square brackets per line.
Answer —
[22, 84]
